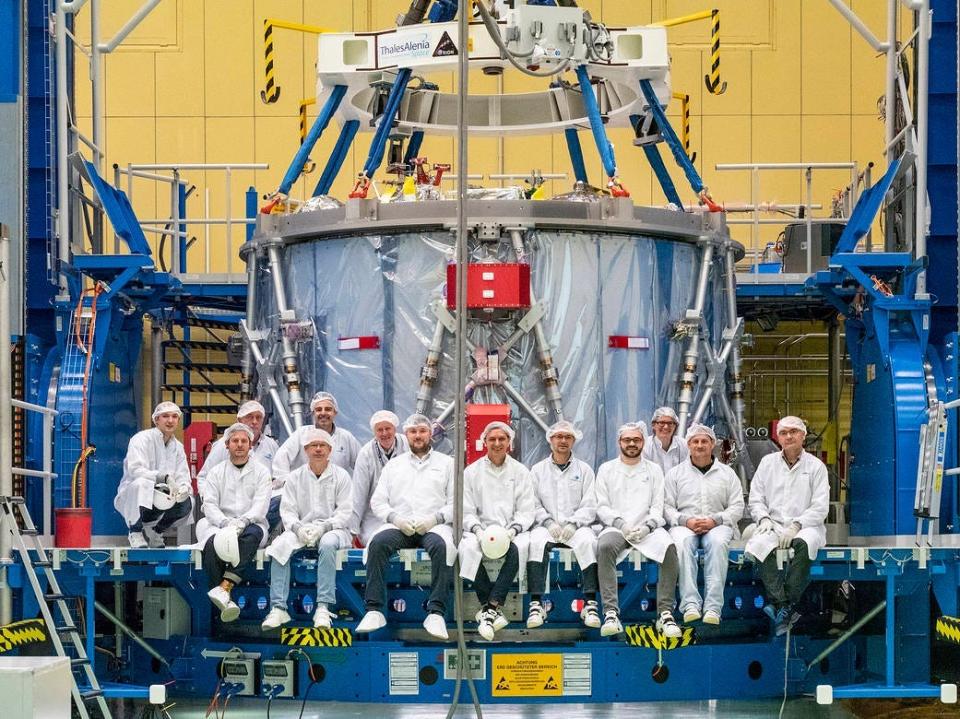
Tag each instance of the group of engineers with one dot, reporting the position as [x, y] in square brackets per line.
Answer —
[665, 496]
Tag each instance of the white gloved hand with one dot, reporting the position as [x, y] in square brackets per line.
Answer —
[238, 524]
[638, 534]
[555, 529]
[566, 534]
[512, 533]
[277, 482]
[425, 524]
[305, 534]
[407, 526]
[765, 526]
[182, 493]
[788, 534]
[321, 528]
[480, 535]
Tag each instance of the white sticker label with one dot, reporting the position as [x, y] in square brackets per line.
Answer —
[488, 276]
[350, 343]
[577, 670]
[638, 343]
[488, 294]
[404, 673]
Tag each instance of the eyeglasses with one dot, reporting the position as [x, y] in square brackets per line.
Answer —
[630, 440]
[665, 423]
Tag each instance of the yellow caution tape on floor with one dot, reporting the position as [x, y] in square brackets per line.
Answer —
[311, 637]
[29, 631]
[948, 628]
[646, 635]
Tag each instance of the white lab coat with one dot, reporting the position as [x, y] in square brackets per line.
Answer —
[690, 493]
[635, 494]
[789, 494]
[567, 497]
[308, 498]
[413, 487]
[366, 474]
[291, 455]
[666, 458]
[263, 451]
[232, 493]
[495, 495]
[149, 458]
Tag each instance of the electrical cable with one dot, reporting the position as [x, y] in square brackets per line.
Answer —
[786, 659]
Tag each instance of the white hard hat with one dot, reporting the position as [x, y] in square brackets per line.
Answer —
[417, 420]
[498, 425]
[694, 429]
[162, 499]
[237, 427]
[249, 408]
[791, 422]
[564, 427]
[640, 427]
[309, 435]
[384, 415]
[667, 412]
[495, 542]
[227, 545]
[164, 408]
[324, 397]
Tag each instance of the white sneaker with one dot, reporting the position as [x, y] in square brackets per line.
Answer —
[590, 614]
[611, 624]
[230, 612]
[154, 540]
[322, 618]
[220, 597]
[668, 626]
[499, 621]
[275, 618]
[535, 615]
[486, 626]
[436, 626]
[691, 614]
[371, 622]
[137, 540]
[711, 616]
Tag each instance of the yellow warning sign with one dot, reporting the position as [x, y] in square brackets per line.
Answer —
[527, 675]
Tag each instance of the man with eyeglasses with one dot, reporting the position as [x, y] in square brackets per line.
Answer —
[663, 446]
[789, 499]
[630, 497]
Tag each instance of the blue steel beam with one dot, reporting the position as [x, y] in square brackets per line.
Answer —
[576, 154]
[339, 154]
[319, 125]
[604, 147]
[379, 143]
[670, 137]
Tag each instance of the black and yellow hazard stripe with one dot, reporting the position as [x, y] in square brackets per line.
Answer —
[646, 635]
[271, 92]
[311, 637]
[713, 80]
[29, 631]
[948, 628]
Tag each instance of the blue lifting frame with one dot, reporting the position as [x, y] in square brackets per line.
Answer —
[335, 162]
[604, 146]
[319, 125]
[576, 154]
[670, 137]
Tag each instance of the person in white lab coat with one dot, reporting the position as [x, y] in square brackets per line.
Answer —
[374, 455]
[630, 495]
[789, 500]
[236, 499]
[704, 502]
[316, 508]
[566, 508]
[155, 472]
[497, 490]
[414, 502]
[664, 446]
[264, 448]
[345, 446]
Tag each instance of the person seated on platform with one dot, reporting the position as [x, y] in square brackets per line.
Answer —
[704, 502]
[374, 455]
[414, 502]
[630, 497]
[566, 502]
[234, 524]
[155, 492]
[789, 500]
[345, 446]
[497, 491]
[663, 446]
[264, 447]
[316, 508]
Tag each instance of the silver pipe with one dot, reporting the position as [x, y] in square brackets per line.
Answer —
[809, 174]
[129, 26]
[96, 90]
[923, 77]
[430, 370]
[835, 377]
[524, 405]
[858, 25]
[118, 606]
[34, 407]
[63, 149]
[175, 224]
[48, 470]
[71, 6]
[6, 424]
[847, 634]
[130, 633]
[39, 473]
[246, 381]
[202, 166]
[784, 165]
[290, 370]
[890, 99]
[548, 374]
[156, 356]
[278, 405]
[735, 384]
[688, 370]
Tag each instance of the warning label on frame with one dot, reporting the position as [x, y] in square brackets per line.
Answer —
[526, 675]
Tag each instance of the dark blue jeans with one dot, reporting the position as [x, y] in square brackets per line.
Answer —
[164, 519]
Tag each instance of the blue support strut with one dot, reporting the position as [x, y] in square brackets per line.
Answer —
[576, 154]
[596, 122]
[670, 137]
[379, 143]
[413, 146]
[339, 154]
[660, 170]
[319, 125]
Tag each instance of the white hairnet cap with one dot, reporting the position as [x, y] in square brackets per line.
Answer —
[384, 415]
[249, 408]
[694, 429]
[237, 427]
[661, 412]
[324, 397]
[640, 427]
[163, 408]
[791, 422]
[309, 435]
[498, 425]
[417, 420]
[564, 427]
